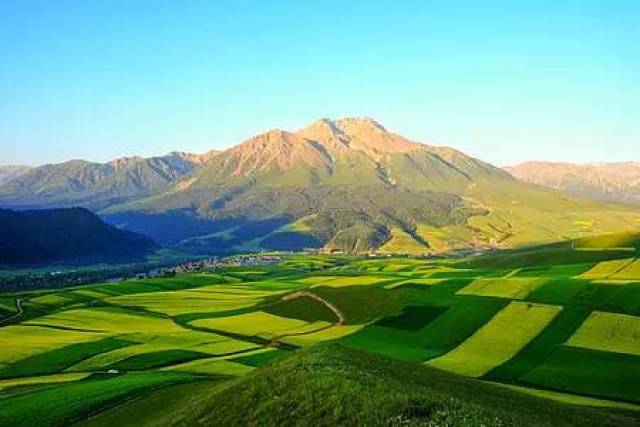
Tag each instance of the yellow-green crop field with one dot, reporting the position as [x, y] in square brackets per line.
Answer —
[563, 331]
[609, 332]
[499, 339]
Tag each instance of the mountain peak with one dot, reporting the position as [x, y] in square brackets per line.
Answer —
[359, 123]
[344, 125]
[361, 134]
[273, 150]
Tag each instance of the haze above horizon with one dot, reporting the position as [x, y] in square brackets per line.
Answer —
[502, 81]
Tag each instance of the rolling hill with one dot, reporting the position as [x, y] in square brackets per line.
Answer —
[334, 385]
[53, 235]
[347, 184]
[613, 182]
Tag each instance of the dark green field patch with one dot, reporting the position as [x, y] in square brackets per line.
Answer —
[598, 296]
[464, 274]
[557, 292]
[541, 347]
[627, 299]
[466, 315]
[260, 359]
[392, 342]
[363, 304]
[413, 317]
[157, 359]
[59, 359]
[442, 294]
[590, 372]
[303, 308]
[556, 271]
[68, 403]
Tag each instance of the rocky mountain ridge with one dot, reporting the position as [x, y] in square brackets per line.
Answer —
[614, 182]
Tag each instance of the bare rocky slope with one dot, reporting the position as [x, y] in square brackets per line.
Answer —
[10, 172]
[614, 182]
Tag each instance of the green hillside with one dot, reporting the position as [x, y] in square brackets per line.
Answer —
[565, 330]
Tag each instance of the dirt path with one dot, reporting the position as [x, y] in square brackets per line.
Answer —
[275, 341]
[19, 311]
[318, 298]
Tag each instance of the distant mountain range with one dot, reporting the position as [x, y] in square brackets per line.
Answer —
[613, 182]
[9, 172]
[345, 184]
[97, 185]
[74, 234]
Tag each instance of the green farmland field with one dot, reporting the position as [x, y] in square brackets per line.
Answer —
[567, 331]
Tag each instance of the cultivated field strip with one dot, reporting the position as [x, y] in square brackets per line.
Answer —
[609, 332]
[499, 339]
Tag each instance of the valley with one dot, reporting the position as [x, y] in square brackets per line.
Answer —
[542, 335]
[251, 213]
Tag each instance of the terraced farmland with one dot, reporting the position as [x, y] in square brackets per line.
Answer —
[568, 332]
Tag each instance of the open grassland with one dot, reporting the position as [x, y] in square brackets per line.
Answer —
[554, 321]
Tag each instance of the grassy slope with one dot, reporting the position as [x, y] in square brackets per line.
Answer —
[332, 385]
[62, 405]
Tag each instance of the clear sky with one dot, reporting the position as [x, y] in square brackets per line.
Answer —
[505, 81]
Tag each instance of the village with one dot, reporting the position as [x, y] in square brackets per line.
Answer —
[212, 263]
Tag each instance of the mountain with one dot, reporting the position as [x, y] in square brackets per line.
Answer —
[51, 235]
[10, 172]
[352, 185]
[613, 182]
[96, 185]
[347, 184]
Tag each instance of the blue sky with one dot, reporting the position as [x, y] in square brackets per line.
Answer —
[505, 81]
